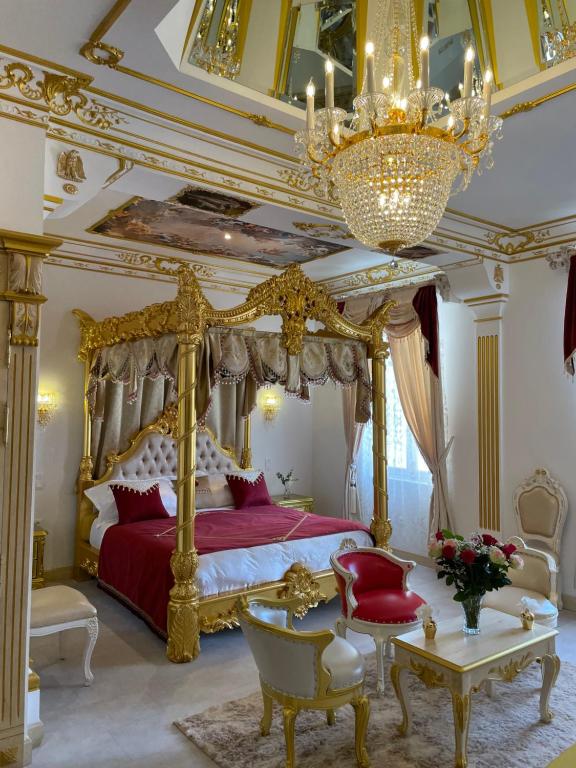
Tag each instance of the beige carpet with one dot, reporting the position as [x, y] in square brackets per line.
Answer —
[504, 731]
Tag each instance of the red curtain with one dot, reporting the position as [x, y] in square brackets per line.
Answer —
[570, 319]
[426, 306]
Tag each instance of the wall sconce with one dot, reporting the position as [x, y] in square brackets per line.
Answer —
[45, 407]
[270, 404]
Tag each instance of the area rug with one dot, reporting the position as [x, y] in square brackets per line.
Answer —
[504, 731]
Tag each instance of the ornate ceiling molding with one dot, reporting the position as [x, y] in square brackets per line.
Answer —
[60, 93]
[561, 259]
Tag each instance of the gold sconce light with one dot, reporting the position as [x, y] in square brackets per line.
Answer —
[46, 407]
[270, 404]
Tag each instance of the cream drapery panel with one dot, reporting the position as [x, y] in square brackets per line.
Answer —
[131, 383]
[418, 388]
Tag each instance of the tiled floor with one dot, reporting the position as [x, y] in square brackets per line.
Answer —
[125, 719]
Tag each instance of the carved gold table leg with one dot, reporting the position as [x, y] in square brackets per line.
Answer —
[550, 670]
[330, 717]
[399, 677]
[461, 703]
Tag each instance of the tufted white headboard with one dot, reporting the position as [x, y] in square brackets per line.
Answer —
[155, 455]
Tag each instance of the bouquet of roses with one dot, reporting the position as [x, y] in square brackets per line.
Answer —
[474, 566]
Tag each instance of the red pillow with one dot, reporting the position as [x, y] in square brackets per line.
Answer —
[135, 505]
[249, 494]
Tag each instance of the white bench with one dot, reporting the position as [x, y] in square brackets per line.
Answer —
[57, 609]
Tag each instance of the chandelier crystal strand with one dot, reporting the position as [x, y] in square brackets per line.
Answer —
[393, 164]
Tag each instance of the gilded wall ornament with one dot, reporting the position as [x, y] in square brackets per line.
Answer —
[511, 243]
[70, 189]
[561, 259]
[98, 52]
[62, 94]
[70, 167]
[303, 181]
[498, 275]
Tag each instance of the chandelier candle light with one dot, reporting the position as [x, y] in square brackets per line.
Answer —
[393, 162]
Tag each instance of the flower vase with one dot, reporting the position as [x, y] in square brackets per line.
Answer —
[472, 607]
[287, 490]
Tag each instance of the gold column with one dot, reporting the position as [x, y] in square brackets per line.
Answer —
[21, 257]
[380, 527]
[183, 628]
[489, 431]
[246, 458]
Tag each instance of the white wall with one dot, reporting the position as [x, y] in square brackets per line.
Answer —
[539, 413]
[282, 445]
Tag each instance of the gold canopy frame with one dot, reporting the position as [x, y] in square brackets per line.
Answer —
[296, 299]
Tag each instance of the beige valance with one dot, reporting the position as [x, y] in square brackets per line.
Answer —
[229, 356]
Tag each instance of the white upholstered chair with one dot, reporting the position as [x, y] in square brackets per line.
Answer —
[303, 670]
[537, 581]
[58, 609]
[540, 506]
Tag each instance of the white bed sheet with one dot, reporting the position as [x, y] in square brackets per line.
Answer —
[245, 567]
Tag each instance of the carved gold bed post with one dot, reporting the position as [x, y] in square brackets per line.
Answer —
[381, 527]
[183, 625]
[246, 458]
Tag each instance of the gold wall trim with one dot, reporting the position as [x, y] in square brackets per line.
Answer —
[488, 319]
[527, 106]
[489, 431]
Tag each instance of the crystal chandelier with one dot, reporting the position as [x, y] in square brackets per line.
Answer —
[393, 163]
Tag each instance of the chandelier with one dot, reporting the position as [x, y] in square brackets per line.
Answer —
[394, 162]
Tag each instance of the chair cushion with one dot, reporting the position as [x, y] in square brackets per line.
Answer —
[59, 605]
[388, 606]
[344, 662]
[508, 599]
[276, 616]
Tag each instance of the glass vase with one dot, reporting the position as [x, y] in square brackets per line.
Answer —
[287, 489]
[472, 607]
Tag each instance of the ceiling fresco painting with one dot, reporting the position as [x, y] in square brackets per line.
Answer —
[198, 229]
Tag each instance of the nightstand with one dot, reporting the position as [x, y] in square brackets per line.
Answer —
[295, 501]
[39, 540]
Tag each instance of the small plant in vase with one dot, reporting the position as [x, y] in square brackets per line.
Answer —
[286, 481]
[474, 566]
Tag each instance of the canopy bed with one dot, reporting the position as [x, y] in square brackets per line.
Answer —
[199, 563]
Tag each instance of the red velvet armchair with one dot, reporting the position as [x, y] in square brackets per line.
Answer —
[375, 597]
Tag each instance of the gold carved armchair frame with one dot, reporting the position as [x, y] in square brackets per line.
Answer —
[296, 299]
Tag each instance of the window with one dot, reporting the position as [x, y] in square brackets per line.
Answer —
[409, 480]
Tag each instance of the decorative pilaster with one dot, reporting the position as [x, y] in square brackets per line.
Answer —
[20, 300]
[380, 526]
[489, 310]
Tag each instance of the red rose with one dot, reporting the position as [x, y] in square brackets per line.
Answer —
[490, 541]
[449, 551]
[508, 549]
[439, 536]
[468, 556]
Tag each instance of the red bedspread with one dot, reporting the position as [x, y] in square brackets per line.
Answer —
[134, 560]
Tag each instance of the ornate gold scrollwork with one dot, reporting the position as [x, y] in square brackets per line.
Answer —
[301, 584]
[508, 672]
[89, 566]
[86, 468]
[430, 677]
[98, 52]
[219, 621]
[61, 93]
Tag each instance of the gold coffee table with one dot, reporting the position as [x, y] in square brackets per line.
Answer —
[464, 663]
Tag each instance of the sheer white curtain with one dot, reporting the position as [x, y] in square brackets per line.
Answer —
[409, 479]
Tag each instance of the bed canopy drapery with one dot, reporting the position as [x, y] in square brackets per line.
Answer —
[185, 339]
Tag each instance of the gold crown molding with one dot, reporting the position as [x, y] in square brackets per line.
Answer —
[261, 274]
[161, 161]
[20, 115]
[98, 52]
[33, 245]
[323, 230]
[62, 94]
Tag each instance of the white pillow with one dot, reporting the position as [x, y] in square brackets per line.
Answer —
[103, 499]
